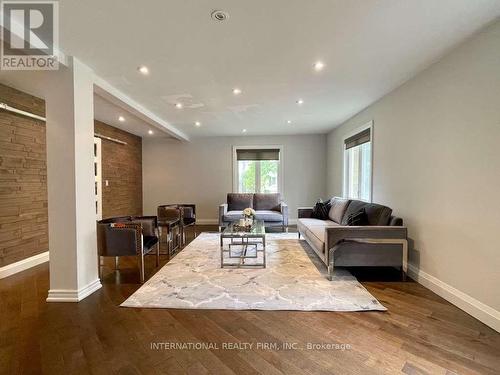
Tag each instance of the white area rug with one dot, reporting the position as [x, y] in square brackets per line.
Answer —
[295, 279]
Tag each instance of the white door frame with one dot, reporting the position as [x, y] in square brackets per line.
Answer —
[98, 177]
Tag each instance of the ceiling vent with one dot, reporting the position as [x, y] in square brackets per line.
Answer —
[219, 15]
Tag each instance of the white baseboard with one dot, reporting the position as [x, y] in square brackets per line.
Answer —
[470, 305]
[68, 295]
[24, 264]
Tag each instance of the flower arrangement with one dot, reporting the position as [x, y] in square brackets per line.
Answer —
[249, 213]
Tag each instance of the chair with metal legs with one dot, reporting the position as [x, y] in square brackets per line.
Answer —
[169, 219]
[188, 219]
[129, 236]
[186, 214]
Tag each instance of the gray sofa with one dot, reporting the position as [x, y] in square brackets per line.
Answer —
[383, 242]
[268, 207]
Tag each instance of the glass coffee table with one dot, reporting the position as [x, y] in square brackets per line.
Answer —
[244, 246]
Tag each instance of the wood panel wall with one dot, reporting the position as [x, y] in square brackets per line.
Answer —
[23, 179]
[122, 168]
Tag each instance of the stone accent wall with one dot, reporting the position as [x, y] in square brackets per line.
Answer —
[122, 168]
[23, 179]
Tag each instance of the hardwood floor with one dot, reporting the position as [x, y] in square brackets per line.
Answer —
[420, 334]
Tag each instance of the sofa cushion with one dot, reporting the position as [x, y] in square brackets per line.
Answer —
[314, 230]
[338, 208]
[268, 215]
[308, 222]
[358, 218]
[239, 201]
[376, 213]
[267, 201]
[233, 215]
[321, 210]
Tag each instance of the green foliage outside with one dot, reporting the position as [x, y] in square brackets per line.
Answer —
[268, 176]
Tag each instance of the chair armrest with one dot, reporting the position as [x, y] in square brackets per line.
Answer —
[335, 235]
[123, 239]
[304, 212]
[149, 224]
[222, 212]
[284, 212]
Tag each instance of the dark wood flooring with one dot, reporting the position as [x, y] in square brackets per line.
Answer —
[420, 334]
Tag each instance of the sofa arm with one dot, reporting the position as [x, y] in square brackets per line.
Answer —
[376, 235]
[222, 212]
[335, 235]
[284, 212]
[304, 212]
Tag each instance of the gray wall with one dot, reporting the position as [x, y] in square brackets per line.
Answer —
[437, 164]
[201, 171]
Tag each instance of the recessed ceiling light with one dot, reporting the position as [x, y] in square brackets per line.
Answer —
[197, 124]
[143, 69]
[219, 15]
[289, 121]
[236, 91]
[150, 131]
[319, 65]
[300, 102]
[121, 118]
[178, 105]
[244, 131]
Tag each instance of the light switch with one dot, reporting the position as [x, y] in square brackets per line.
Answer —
[107, 183]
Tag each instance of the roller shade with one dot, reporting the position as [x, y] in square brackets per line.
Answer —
[358, 139]
[259, 154]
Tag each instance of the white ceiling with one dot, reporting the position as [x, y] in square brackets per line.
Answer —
[266, 48]
[109, 113]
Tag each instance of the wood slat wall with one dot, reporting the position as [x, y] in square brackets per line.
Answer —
[23, 179]
[122, 167]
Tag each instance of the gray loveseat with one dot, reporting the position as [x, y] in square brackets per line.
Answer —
[268, 207]
[383, 242]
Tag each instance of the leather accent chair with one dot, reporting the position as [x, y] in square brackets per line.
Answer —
[169, 221]
[128, 236]
[186, 214]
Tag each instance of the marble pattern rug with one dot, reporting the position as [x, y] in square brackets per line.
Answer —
[294, 279]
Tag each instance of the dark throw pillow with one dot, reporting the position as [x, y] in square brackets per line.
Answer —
[320, 210]
[358, 218]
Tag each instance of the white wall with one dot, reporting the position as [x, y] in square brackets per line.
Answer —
[437, 164]
[200, 171]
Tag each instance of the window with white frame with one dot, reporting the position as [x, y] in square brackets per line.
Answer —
[358, 165]
[257, 170]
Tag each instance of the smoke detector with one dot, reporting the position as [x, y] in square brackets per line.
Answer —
[219, 15]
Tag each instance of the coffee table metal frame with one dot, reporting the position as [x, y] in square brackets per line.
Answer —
[255, 240]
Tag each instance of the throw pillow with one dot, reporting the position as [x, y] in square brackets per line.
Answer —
[320, 210]
[358, 218]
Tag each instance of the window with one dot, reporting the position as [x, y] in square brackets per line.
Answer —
[257, 170]
[358, 165]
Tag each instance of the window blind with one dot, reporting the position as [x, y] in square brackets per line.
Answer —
[258, 154]
[358, 139]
